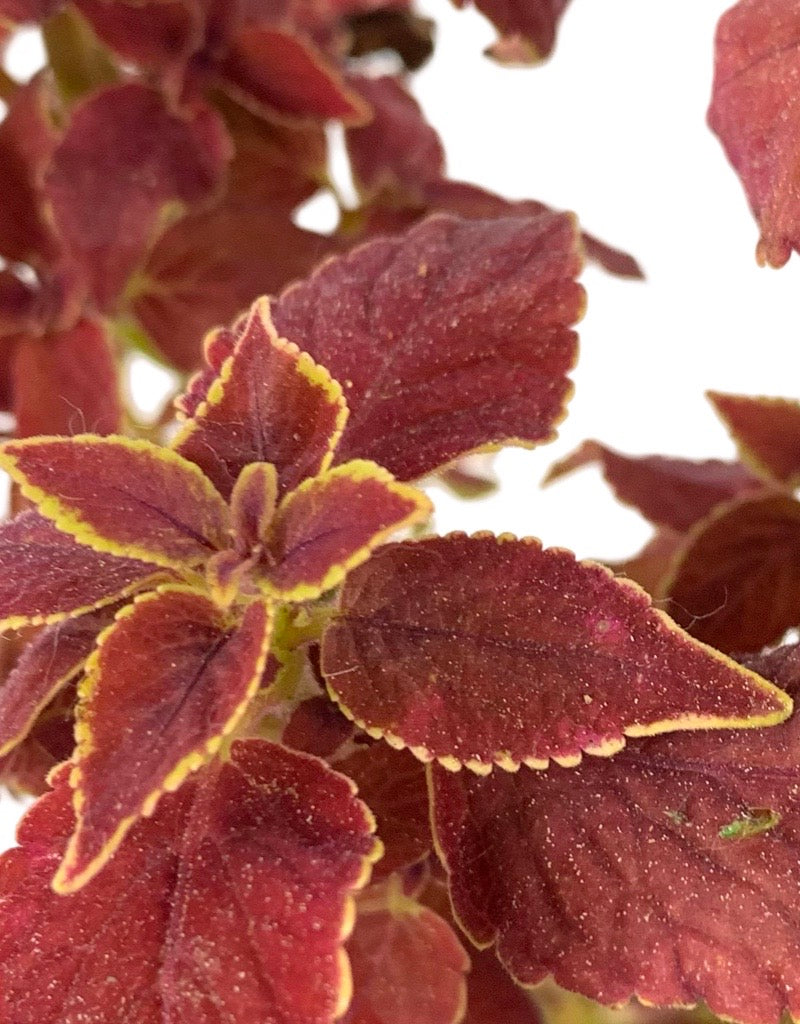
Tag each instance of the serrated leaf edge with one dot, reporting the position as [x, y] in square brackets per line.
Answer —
[65, 881]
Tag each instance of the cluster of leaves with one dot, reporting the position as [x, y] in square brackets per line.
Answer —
[319, 773]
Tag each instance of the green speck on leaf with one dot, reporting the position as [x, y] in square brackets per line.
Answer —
[755, 821]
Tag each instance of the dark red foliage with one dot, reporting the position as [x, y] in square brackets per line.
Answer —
[236, 664]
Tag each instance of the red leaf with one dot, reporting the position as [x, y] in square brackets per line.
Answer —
[127, 497]
[735, 581]
[317, 727]
[428, 372]
[625, 878]
[408, 964]
[169, 680]
[766, 432]
[160, 35]
[52, 659]
[27, 140]
[233, 900]
[54, 394]
[392, 784]
[397, 150]
[754, 112]
[123, 157]
[25, 770]
[45, 576]
[270, 403]
[28, 10]
[527, 28]
[286, 75]
[670, 492]
[331, 523]
[207, 266]
[484, 650]
[653, 564]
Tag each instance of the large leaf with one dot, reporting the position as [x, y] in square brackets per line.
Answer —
[331, 523]
[123, 157]
[766, 432]
[485, 650]
[735, 580]
[54, 394]
[45, 575]
[526, 28]
[169, 680]
[270, 403]
[127, 497]
[669, 872]
[52, 659]
[408, 964]
[454, 336]
[669, 492]
[231, 903]
[755, 112]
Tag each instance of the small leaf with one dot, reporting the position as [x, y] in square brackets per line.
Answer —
[127, 497]
[616, 880]
[253, 502]
[485, 650]
[233, 902]
[455, 336]
[670, 492]
[52, 659]
[270, 403]
[46, 576]
[392, 784]
[766, 432]
[53, 393]
[754, 112]
[331, 523]
[397, 150]
[735, 580]
[526, 28]
[168, 681]
[280, 72]
[408, 964]
[123, 157]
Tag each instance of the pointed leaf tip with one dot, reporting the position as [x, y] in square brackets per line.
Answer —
[490, 651]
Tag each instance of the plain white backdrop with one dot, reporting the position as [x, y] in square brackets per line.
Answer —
[613, 127]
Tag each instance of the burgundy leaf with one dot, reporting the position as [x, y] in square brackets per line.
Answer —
[453, 337]
[233, 900]
[485, 650]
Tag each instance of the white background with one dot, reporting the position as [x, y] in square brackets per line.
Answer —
[613, 127]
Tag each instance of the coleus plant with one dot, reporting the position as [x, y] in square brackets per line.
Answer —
[328, 765]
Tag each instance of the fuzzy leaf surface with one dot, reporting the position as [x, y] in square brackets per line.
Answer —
[408, 964]
[128, 497]
[669, 492]
[616, 879]
[766, 432]
[454, 336]
[392, 784]
[735, 580]
[269, 403]
[123, 157]
[168, 681]
[486, 650]
[45, 575]
[756, 115]
[52, 659]
[54, 394]
[329, 525]
[233, 899]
